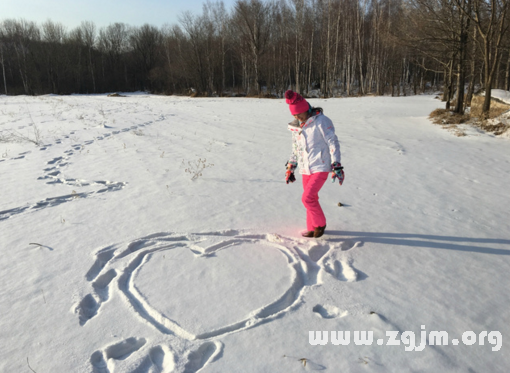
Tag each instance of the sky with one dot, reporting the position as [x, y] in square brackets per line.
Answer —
[71, 13]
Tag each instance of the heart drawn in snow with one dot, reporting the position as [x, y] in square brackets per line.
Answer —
[211, 294]
[199, 286]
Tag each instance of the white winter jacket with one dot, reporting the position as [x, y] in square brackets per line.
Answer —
[314, 144]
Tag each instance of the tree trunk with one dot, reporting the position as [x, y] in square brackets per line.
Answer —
[360, 35]
[498, 66]
[311, 59]
[487, 101]
[472, 73]
[461, 80]
[3, 68]
[448, 84]
[91, 67]
[507, 73]
[337, 42]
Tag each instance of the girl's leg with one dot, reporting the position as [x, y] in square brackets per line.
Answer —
[314, 214]
[309, 220]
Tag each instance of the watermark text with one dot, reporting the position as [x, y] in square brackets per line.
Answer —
[407, 338]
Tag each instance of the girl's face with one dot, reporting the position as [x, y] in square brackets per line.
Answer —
[301, 116]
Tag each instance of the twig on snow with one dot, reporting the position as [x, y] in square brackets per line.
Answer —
[30, 366]
[38, 244]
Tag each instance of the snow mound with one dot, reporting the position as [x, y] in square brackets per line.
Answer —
[500, 94]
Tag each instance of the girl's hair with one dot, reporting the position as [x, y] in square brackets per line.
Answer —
[315, 109]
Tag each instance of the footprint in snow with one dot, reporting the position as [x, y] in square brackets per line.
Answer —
[338, 263]
[329, 312]
[110, 360]
[116, 358]
[316, 252]
[89, 306]
[87, 309]
[204, 355]
[341, 270]
[349, 245]
[122, 350]
[161, 359]
[55, 160]
[101, 284]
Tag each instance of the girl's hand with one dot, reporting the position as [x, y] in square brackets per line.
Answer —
[289, 176]
[337, 172]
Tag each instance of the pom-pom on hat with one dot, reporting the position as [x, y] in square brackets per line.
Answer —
[297, 104]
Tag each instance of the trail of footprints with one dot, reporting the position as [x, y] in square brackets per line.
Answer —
[53, 175]
[114, 266]
[116, 358]
[135, 355]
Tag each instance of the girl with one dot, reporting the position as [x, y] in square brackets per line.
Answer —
[315, 148]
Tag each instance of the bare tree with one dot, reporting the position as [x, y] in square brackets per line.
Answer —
[2, 60]
[22, 35]
[54, 35]
[332, 46]
[438, 30]
[146, 42]
[113, 44]
[491, 20]
[220, 19]
[194, 28]
[252, 21]
[88, 30]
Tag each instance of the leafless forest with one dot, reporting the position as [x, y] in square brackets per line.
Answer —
[317, 47]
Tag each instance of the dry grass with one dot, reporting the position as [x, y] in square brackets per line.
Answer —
[488, 124]
[262, 95]
[497, 129]
[450, 120]
[447, 117]
[115, 95]
[269, 95]
[498, 107]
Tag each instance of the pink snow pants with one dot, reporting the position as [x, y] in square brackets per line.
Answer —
[314, 214]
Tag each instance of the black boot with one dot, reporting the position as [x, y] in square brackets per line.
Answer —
[319, 231]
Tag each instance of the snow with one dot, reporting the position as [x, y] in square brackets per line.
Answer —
[500, 94]
[115, 260]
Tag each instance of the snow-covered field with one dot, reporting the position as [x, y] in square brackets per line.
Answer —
[114, 260]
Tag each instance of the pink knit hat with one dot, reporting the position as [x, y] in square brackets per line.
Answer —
[297, 104]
